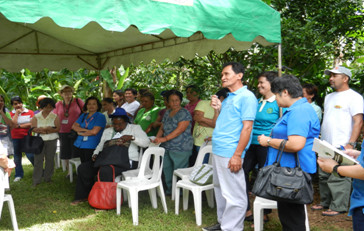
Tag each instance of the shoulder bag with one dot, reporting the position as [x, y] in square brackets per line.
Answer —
[115, 155]
[32, 144]
[202, 174]
[284, 184]
[103, 194]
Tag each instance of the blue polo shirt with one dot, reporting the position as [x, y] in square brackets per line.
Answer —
[299, 119]
[357, 196]
[97, 119]
[239, 106]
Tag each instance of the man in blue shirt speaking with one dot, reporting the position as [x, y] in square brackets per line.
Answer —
[230, 140]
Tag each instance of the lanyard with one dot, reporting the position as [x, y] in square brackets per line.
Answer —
[65, 109]
[89, 121]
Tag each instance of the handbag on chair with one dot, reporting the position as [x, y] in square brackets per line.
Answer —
[103, 194]
[32, 144]
[284, 184]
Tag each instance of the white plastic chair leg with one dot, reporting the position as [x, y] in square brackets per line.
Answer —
[64, 167]
[134, 206]
[163, 197]
[210, 198]
[118, 200]
[10, 201]
[186, 194]
[176, 201]
[70, 171]
[153, 197]
[174, 182]
[198, 206]
[307, 222]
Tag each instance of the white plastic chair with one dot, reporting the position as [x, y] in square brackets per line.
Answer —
[260, 204]
[133, 173]
[184, 173]
[57, 157]
[73, 161]
[197, 197]
[141, 183]
[4, 184]
[196, 190]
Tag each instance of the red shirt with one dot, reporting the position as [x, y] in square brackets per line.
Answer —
[24, 117]
[74, 111]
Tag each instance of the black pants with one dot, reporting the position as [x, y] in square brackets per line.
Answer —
[292, 216]
[86, 173]
[85, 154]
[256, 154]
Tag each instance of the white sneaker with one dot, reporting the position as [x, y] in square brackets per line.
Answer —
[16, 179]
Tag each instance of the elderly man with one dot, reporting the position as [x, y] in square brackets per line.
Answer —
[129, 136]
[230, 140]
[341, 126]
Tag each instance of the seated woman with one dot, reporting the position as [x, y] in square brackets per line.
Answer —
[46, 123]
[122, 133]
[147, 114]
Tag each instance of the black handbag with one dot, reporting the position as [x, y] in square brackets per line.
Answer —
[284, 184]
[32, 144]
[113, 155]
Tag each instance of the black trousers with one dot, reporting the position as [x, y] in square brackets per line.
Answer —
[292, 216]
[256, 154]
[85, 154]
[86, 174]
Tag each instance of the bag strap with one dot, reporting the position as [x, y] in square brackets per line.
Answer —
[280, 152]
[113, 174]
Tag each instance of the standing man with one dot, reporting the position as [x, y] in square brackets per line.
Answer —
[341, 126]
[230, 140]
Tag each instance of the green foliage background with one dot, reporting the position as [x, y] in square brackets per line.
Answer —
[314, 34]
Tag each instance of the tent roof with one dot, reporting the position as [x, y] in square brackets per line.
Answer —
[96, 34]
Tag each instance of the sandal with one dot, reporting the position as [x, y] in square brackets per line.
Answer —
[317, 207]
[76, 202]
[331, 213]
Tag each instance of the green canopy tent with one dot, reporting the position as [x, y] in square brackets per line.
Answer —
[100, 34]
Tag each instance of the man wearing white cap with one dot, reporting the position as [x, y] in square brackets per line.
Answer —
[341, 126]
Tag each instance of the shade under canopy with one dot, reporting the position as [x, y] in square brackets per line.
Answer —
[99, 34]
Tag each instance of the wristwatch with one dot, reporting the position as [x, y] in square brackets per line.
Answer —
[132, 138]
[335, 172]
[353, 144]
[268, 142]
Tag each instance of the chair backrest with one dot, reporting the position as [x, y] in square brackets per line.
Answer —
[158, 154]
[141, 151]
[4, 183]
[201, 154]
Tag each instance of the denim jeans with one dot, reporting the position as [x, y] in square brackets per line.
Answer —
[18, 156]
[358, 219]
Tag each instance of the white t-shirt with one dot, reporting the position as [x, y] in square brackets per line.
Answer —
[131, 107]
[339, 109]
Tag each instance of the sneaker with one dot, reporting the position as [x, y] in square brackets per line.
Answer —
[16, 179]
[215, 227]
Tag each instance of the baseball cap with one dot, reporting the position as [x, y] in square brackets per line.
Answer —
[339, 70]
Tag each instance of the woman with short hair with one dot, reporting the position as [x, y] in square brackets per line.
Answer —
[47, 124]
[299, 125]
[147, 114]
[89, 127]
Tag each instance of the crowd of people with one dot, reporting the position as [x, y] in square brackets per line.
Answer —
[246, 134]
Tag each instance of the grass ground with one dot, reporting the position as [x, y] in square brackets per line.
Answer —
[47, 207]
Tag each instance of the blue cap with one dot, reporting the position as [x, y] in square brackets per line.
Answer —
[119, 112]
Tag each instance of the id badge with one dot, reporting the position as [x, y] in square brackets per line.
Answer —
[65, 121]
[85, 138]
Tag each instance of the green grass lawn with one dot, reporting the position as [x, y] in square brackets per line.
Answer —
[47, 207]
